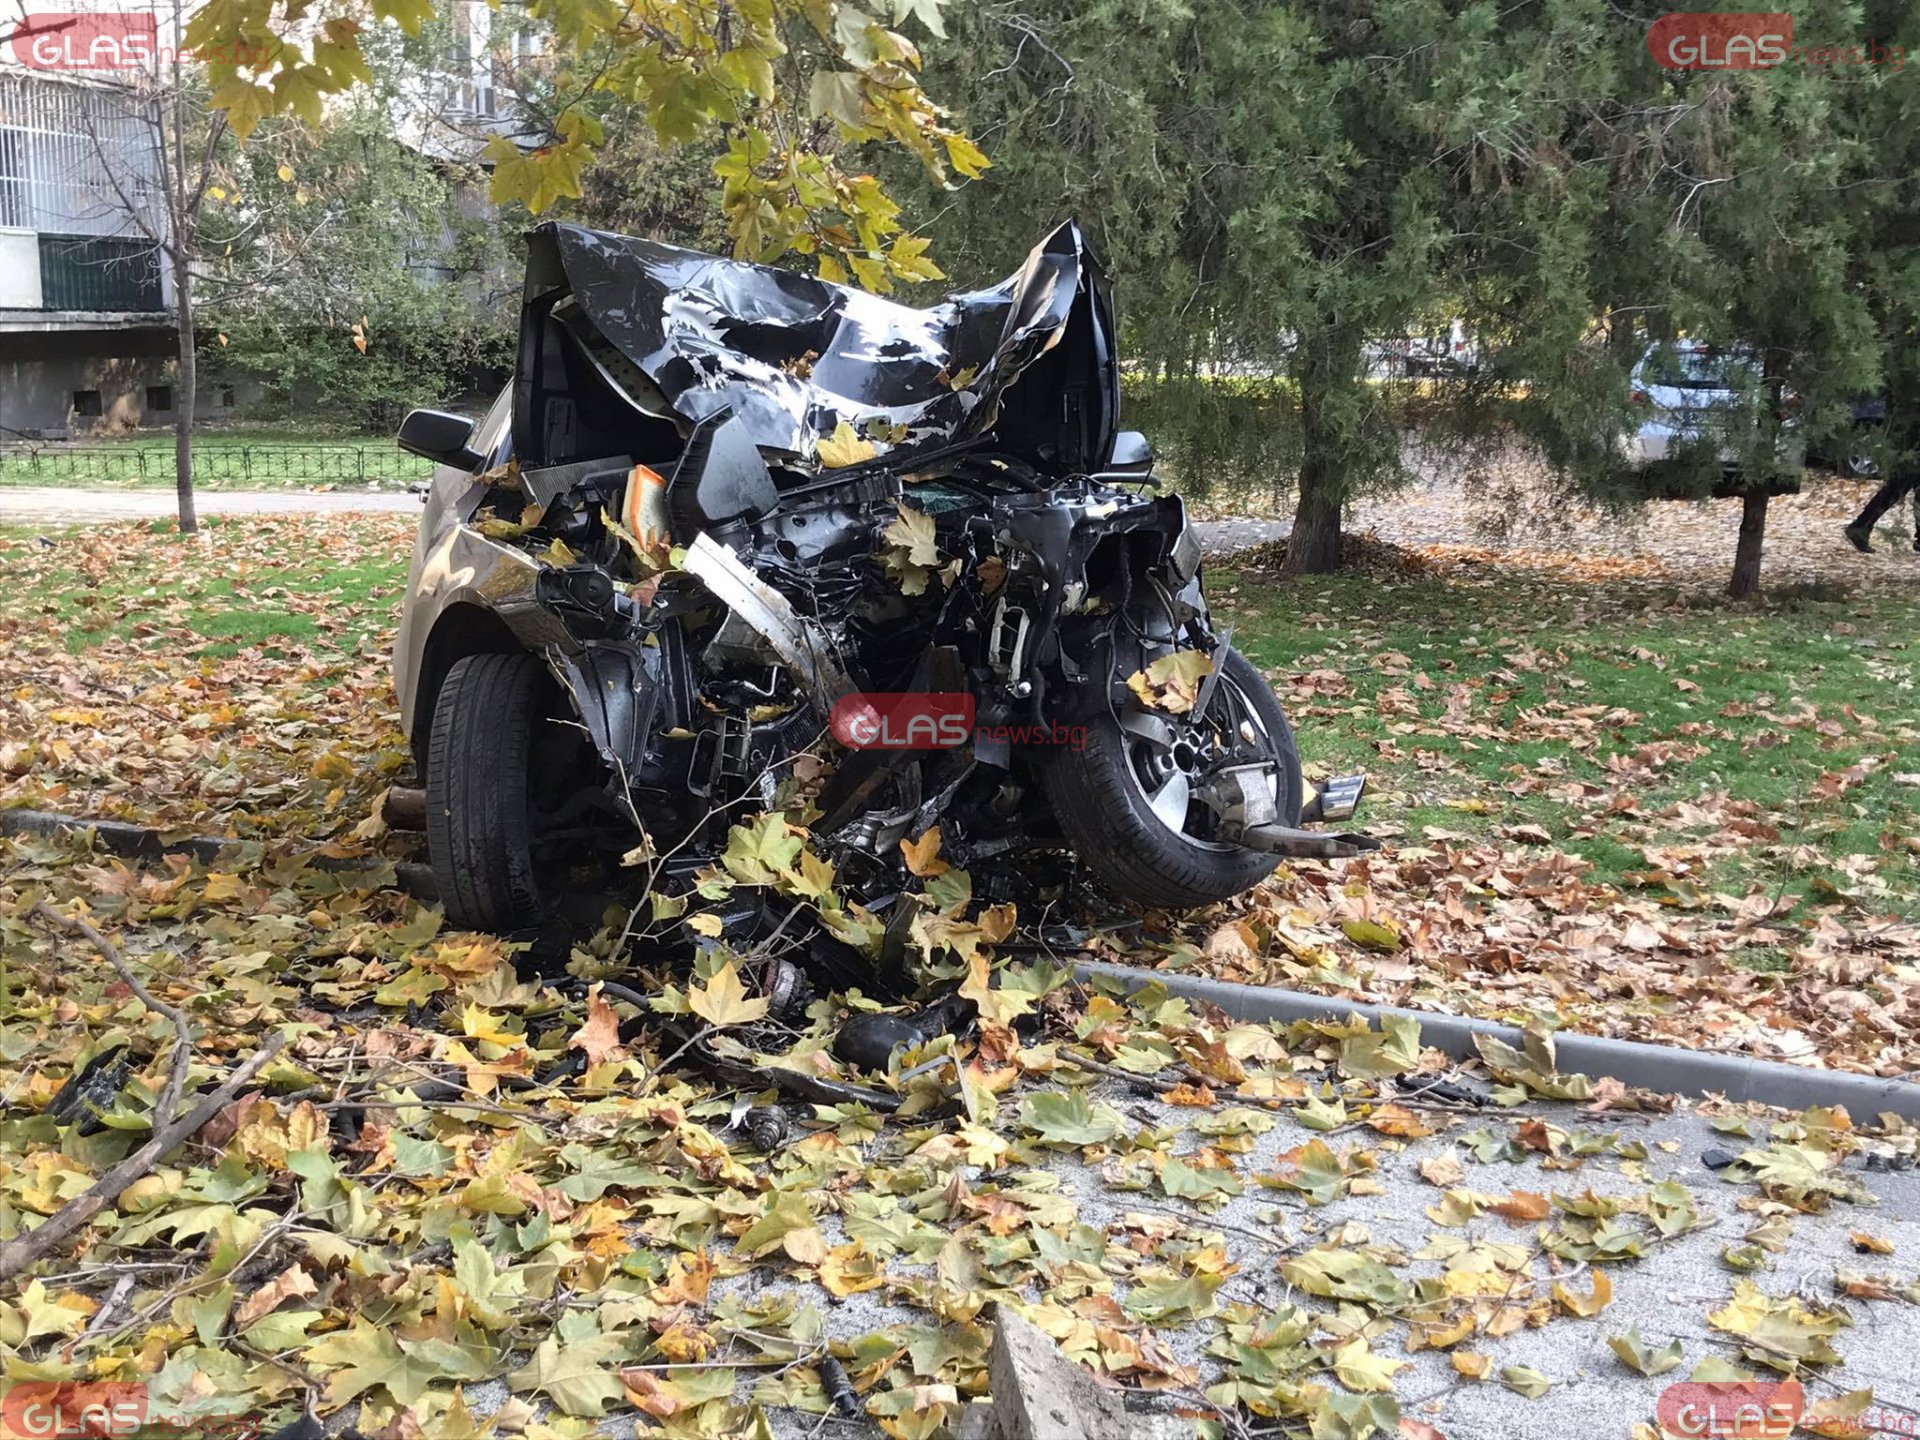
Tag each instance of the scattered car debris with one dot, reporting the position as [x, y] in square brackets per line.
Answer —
[767, 1126]
[871, 1040]
[1430, 1087]
[89, 1092]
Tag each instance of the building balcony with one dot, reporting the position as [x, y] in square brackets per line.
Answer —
[62, 280]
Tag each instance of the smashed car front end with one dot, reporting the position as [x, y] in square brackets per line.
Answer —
[630, 353]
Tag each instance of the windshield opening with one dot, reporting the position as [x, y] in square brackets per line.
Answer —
[1695, 369]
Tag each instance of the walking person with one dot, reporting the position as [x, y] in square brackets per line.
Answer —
[1897, 488]
[1901, 450]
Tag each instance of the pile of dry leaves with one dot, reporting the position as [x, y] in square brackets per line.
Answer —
[453, 1199]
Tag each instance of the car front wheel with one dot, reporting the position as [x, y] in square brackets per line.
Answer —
[505, 760]
[1129, 799]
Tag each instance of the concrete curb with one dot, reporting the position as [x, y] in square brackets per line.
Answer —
[1665, 1068]
[143, 842]
[140, 842]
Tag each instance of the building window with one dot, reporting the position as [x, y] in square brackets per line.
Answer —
[16, 202]
[86, 404]
[226, 397]
[159, 397]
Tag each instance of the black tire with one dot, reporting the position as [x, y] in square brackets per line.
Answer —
[1106, 818]
[493, 756]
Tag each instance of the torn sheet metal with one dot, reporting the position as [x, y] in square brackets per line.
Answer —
[681, 335]
[803, 644]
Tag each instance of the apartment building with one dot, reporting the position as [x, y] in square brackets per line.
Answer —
[86, 331]
[87, 338]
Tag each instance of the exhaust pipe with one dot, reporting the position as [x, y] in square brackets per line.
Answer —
[405, 808]
[1285, 840]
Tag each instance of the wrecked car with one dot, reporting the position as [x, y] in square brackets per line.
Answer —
[736, 539]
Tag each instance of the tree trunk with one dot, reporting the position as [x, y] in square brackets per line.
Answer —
[1313, 547]
[184, 391]
[1746, 555]
[1324, 370]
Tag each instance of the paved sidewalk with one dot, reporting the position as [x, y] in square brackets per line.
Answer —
[64, 505]
[1667, 1295]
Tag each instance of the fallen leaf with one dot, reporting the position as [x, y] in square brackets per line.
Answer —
[722, 1000]
[923, 855]
[290, 1284]
[1635, 1354]
[599, 1036]
[1525, 1380]
[1522, 1206]
[1589, 1305]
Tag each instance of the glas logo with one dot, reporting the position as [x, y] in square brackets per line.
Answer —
[1731, 1409]
[66, 1410]
[115, 40]
[1720, 40]
[873, 720]
[101, 40]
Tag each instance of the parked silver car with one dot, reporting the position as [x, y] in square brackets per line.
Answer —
[1690, 395]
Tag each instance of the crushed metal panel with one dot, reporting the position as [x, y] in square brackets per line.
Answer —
[794, 357]
[796, 640]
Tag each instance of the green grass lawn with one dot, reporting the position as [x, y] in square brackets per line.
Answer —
[245, 459]
[257, 584]
[236, 683]
[1638, 810]
[1682, 746]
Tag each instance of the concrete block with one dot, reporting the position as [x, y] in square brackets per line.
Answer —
[1039, 1394]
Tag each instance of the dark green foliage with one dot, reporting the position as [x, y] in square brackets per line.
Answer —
[1215, 438]
[636, 187]
[1276, 185]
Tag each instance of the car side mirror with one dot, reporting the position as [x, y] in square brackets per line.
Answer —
[1132, 455]
[437, 436]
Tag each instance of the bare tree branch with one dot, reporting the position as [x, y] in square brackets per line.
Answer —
[27, 1250]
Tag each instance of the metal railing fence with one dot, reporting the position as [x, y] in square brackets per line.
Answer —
[267, 464]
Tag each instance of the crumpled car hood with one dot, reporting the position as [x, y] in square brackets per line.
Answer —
[794, 357]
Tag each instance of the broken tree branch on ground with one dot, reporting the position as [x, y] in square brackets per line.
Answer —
[18, 1254]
